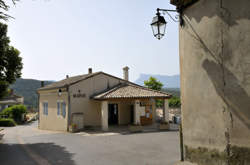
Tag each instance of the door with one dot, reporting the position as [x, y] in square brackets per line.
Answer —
[113, 114]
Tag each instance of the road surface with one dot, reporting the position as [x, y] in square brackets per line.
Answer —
[27, 145]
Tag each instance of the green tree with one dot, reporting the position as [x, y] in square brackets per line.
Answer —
[5, 7]
[153, 83]
[10, 61]
[175, 102]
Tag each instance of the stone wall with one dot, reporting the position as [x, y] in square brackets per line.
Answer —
[215, 81]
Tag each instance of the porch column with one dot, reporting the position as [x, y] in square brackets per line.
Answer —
[104, 115]
[153, 102]
[165, 110]
[137, 115]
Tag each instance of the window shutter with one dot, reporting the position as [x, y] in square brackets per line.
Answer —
[47, 108]
[58, 108]
[64, 109]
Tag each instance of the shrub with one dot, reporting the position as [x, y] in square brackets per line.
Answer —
[175, 102]
[7, 122]
[15, 112]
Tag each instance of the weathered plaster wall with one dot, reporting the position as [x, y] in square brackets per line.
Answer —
[215, 76]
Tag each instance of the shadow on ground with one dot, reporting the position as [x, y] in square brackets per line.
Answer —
[11, 154]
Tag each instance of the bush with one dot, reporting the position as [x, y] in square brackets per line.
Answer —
[7, 123]
[15, 112]
[174, 102]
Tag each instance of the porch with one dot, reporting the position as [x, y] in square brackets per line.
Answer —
[128, 104]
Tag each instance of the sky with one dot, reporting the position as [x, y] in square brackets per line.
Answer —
[66, 37]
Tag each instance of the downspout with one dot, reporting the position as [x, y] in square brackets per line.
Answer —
[38, 106]
[69, 110]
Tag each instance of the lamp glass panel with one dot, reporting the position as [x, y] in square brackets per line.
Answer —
[155, 29]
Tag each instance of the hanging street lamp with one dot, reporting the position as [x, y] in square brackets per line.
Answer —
[159, 23]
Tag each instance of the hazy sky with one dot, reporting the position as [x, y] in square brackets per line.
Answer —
[60, 37]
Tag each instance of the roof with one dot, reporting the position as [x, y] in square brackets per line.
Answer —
[68, 81]
[183, 3]
[130, 91]
[73, 80]
[11, 99]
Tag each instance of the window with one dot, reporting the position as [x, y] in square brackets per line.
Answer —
[45, 108]
[61, 108]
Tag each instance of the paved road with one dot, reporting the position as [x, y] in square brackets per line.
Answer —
[26, 145]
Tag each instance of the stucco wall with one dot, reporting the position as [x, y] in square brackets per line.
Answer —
[215, 75]
[91, 109]
[52, 121]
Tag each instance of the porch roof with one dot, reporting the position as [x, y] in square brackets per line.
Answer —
[130, 91]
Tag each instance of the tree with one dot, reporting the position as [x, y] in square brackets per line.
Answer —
[152, 83]
[10, 61]
[175, 102]
[4, 6]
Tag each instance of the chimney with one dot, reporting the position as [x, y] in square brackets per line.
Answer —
[67, 76]
[90, 70]
[42, 83]
[125, 73]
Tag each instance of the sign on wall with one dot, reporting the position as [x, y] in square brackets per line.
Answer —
[79, 95]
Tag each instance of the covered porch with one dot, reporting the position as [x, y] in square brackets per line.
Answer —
[128, 104]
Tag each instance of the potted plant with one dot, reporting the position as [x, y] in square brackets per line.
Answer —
[135, 127]
[164, 125]
[73, 128]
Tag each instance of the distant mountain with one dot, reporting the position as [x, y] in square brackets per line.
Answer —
[168, 81]
[27, 88]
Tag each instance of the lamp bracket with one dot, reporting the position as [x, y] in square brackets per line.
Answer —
[177, 18]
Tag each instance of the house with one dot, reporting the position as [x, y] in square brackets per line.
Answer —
[97, 100]
[10, 99]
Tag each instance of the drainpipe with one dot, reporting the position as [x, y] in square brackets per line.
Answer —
[69, 110]
[181, 143]
[38, 107]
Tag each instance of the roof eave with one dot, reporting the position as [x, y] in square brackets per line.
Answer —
[133, 98]
[183, 3]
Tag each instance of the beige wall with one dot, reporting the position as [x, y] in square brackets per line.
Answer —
[52, 121]
[90, 108]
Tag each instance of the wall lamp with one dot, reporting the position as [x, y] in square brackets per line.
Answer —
[60, 92]
[159, 23]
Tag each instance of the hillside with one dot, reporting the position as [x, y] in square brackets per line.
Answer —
[27, 88]
[168, 81]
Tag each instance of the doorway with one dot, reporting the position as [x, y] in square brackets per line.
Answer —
[131, 114]
[113, 114]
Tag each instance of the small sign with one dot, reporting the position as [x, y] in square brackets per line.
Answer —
[78, 95]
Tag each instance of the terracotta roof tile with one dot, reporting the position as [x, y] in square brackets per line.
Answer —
[130, 91]
[68, 81]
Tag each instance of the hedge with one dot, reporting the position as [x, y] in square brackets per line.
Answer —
[7, 122]
[15, 112]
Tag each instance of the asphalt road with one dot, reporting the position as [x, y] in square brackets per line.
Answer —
[26, 145]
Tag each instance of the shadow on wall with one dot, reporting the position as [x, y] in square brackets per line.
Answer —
[230, 90]
[228, 10]
[51, 153]
[227, 86]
